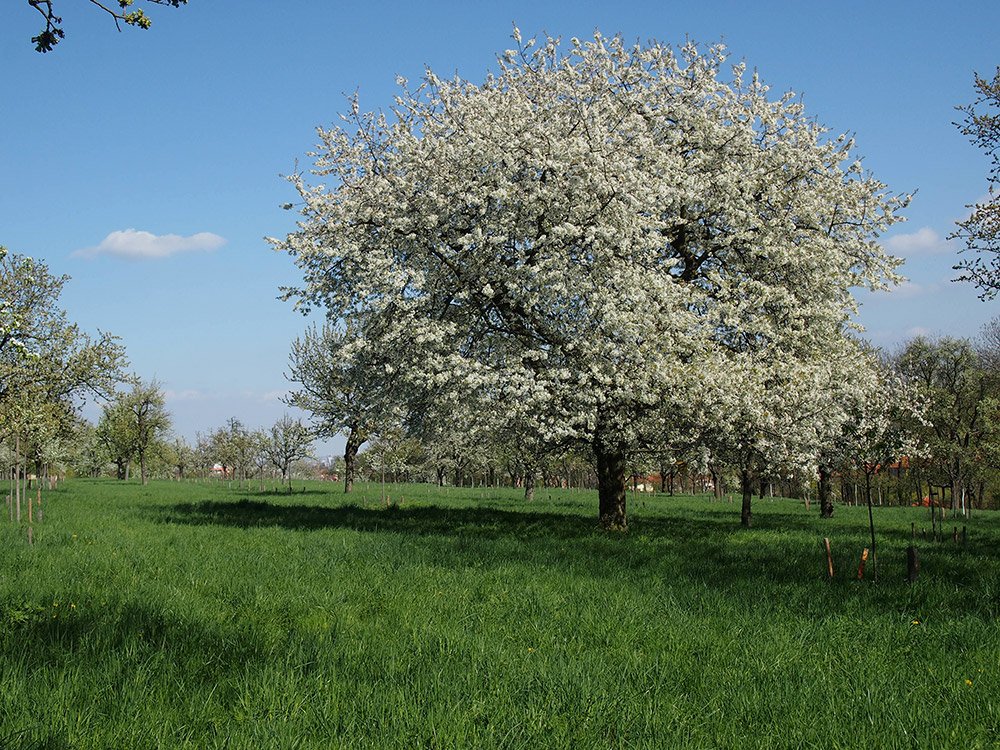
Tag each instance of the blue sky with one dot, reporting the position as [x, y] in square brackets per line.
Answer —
[182, 132]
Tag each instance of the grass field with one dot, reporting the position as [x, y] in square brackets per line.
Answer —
[203, 616]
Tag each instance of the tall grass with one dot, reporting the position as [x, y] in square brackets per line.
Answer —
[199, 615]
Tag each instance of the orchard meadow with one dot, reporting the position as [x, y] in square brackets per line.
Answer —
[203, 615]
[604, 262]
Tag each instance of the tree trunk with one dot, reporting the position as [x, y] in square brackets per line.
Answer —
[529, 486]
[825, 495]
[142, 467]
[746, 486]
[611, 488]
[354, 441]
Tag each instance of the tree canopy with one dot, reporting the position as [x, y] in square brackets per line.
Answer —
[981, 230]
[47, 366]
[44, 358]
[599, 240]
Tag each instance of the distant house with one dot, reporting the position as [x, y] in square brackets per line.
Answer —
[327, 475]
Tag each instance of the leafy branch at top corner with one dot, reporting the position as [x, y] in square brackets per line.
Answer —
[53, 32]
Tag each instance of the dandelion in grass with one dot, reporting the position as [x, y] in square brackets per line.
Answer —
[531, 650]
[969, 683]
[914, 622]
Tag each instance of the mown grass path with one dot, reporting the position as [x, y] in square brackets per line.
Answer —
[187, 615]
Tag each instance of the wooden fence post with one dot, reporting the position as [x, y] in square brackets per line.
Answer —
[912, 564]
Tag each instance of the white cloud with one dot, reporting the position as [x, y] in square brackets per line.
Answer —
[904, 290]
[189, 394]
[909, 289]
[924, 241]
[275, 396]
[137, 245]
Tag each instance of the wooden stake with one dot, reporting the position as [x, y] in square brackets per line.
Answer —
[912, 564]
[829, 557]
[17, 481]
[861, 567]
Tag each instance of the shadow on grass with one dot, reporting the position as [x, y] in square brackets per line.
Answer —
[488, 523]
[121, 656]
[482, 521]
[133, 633]
[703, 547]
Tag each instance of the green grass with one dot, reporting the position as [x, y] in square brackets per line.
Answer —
[194, 615]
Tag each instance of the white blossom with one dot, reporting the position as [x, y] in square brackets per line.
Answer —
[597, 238]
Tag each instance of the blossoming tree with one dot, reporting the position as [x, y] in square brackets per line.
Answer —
[593, 237]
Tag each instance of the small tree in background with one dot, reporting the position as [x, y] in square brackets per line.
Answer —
[116, 433]
[287, 442]
[948, 375]
[150, 420]
[345, 385]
